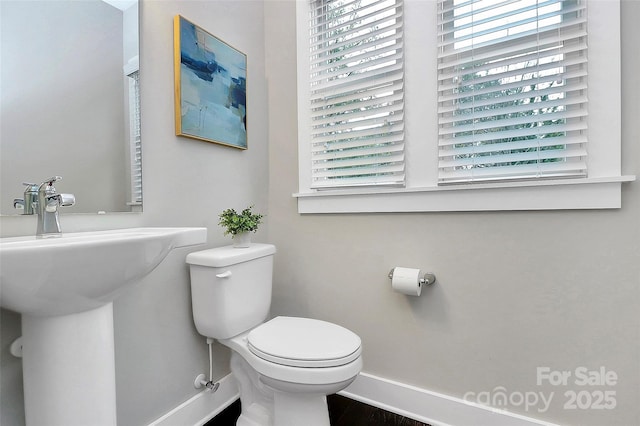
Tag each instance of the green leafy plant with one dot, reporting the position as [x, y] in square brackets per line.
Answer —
[236, 223]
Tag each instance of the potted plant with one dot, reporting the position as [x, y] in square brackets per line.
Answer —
[239, 225]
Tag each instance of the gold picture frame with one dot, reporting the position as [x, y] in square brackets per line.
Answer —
[210, 87]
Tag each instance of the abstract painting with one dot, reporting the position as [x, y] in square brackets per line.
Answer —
[210, 87]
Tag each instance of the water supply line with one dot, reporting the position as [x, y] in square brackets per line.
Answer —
[210, 344]
[200, 380]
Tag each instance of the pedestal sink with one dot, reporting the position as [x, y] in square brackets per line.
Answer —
[64, 288]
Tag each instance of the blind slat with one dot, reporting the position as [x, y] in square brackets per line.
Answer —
[389, 114]
[361, 152]
[373, 78]
[570, 77]
[511, 146]
[514, 157]
[534, 110]
[333, 74]
[395, 168]
[481, 54]
[510, 23]
[518, 97]
[541, 51]
[358, 143]
[513, 121]
[354, 94]
[328, 111]
[323, 9]
[479, 43]
[501, 72]
[488, 139]
[320, 49]
[363, 60]
[359, 134]
[509, 8]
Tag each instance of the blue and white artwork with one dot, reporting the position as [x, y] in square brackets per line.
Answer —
[211, 79]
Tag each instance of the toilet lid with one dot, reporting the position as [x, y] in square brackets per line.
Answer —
[304, 342]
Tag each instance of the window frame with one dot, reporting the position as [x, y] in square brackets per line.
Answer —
[600, 190]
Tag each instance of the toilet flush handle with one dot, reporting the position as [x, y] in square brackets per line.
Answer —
[225, 274]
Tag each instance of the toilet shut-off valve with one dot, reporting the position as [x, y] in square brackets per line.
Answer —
[209, 384]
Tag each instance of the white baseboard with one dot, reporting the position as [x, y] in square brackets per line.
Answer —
[409, 401]
[202, 407]
[429, 407]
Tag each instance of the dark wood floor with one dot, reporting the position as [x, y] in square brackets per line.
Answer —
[347, 412]
[227, 417]
[342, 412]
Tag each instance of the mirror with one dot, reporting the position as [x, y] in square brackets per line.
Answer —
[70, 102]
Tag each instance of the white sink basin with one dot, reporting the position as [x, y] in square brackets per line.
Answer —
[82, 271]
[64, 288]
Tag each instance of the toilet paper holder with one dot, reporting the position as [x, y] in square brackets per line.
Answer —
[427, 279]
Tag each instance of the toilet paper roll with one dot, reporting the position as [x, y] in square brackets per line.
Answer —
[407, 281]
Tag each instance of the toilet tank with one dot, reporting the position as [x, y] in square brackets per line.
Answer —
[230, 288]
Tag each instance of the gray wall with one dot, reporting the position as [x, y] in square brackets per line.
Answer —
[186, 183]
[515, 291]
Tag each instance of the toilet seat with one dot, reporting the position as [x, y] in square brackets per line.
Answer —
[304, 342]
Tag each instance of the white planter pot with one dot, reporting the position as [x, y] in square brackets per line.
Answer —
[242, 240]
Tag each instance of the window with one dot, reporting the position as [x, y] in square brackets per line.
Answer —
[136, 142]
[512, 89]
[132, 72]
[500, 109]
[357, 101]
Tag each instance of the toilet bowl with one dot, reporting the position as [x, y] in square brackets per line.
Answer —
[295, 374]
[285, 367]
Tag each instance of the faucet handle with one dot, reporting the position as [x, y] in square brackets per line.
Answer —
[49, 182]
[52, 179]
[67, 200]
[30, 190]
[30, 198]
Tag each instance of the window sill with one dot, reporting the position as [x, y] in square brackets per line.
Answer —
[588, 193]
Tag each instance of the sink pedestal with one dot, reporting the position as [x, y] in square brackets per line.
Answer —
[69, 369]
[64, 288]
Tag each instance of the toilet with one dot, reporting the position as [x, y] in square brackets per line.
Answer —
[286, 366]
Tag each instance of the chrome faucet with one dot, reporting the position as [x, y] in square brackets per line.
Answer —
[44, 200]
[30, 198]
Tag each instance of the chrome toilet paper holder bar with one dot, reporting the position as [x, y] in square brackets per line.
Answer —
[427, 279]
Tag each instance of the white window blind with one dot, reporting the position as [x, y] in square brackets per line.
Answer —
[512, 100]
[357, 100]
[135, 145]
